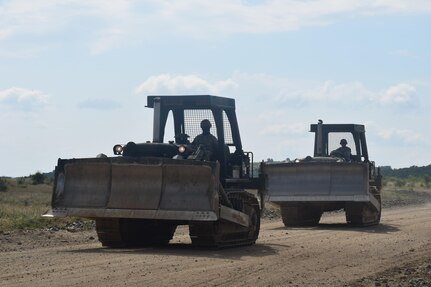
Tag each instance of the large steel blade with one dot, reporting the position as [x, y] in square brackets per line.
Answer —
[316, 181]
[153, 189]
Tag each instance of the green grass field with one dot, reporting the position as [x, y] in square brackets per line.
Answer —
[22, 206]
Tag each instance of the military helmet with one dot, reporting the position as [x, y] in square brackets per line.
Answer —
[343, 142]
[205, 124]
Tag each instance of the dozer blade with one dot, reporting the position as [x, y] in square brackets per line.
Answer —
[150, 188]
[317, 181]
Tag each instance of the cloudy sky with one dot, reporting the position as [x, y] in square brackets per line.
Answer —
[74, 74]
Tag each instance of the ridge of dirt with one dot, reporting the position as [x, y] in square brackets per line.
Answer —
[20, 240]
[413, 274]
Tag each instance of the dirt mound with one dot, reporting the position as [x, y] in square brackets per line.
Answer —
[414, 274]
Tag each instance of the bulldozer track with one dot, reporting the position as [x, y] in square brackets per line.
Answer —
[364, 214]
[297, 214]
[223, 234]
[122, 232]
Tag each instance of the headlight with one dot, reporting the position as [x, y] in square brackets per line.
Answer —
[118, 149]
[181, 149]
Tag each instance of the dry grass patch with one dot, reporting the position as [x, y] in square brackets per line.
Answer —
[22, 206]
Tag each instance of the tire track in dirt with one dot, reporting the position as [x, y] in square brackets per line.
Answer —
[328, 255]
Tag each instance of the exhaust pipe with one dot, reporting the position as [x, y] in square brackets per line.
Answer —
[319, 139]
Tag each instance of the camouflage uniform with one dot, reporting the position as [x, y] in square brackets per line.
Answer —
[344, 150]
[207, 141]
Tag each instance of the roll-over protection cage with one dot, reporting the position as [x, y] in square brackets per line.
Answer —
[222, 111]
[321, 138]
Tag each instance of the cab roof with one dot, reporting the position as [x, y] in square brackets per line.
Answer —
[192, 102]
[353, 128]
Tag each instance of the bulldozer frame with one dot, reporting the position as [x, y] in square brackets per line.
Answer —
[142, 194]
[305, 188]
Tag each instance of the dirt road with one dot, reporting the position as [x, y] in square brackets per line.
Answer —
[331, 254]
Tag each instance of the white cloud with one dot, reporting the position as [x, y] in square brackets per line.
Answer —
[20, 52]
[404, 54]
[102, 20]
[300, 93]
[23, 99]
[332, 92]
[400, 94]
[107, 39]
[283, 91]
[117, 22]
[99, 104]
[183, 84]
[38, 16]
[283, 129]
[4, 33]
[405, 135]
[229, 17]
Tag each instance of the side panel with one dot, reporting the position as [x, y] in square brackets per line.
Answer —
[316, 181]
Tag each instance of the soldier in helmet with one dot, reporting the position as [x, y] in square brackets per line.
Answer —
[206, 141]
[343, 151]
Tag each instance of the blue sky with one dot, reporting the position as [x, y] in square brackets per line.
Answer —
[74, 74]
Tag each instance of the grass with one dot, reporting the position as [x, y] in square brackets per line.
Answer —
[22, 206]
[403, 192]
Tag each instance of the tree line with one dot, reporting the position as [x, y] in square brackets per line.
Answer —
[413, 171]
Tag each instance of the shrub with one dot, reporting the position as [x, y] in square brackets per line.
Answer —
[20, 180]
[427, 180]
[400, 182]
[3, 185]
[37, 178]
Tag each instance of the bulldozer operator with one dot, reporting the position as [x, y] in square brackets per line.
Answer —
[343, 151]
[206, 141]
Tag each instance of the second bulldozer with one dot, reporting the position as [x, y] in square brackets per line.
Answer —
[328, 181]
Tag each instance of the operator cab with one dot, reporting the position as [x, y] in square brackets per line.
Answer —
[329, 136]
[177, 122]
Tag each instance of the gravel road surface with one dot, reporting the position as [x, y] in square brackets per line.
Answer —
[331, 254]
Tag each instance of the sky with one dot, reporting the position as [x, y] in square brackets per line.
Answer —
[74, 74]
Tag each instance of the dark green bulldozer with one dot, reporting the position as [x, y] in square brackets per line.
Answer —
[327, 181]
[139, 196]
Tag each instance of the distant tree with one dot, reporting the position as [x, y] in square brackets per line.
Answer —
[414, 170]
[427, 180]
[37, 178]
[3, 185]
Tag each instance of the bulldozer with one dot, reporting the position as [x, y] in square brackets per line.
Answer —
[329, 180]
[140, 195]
